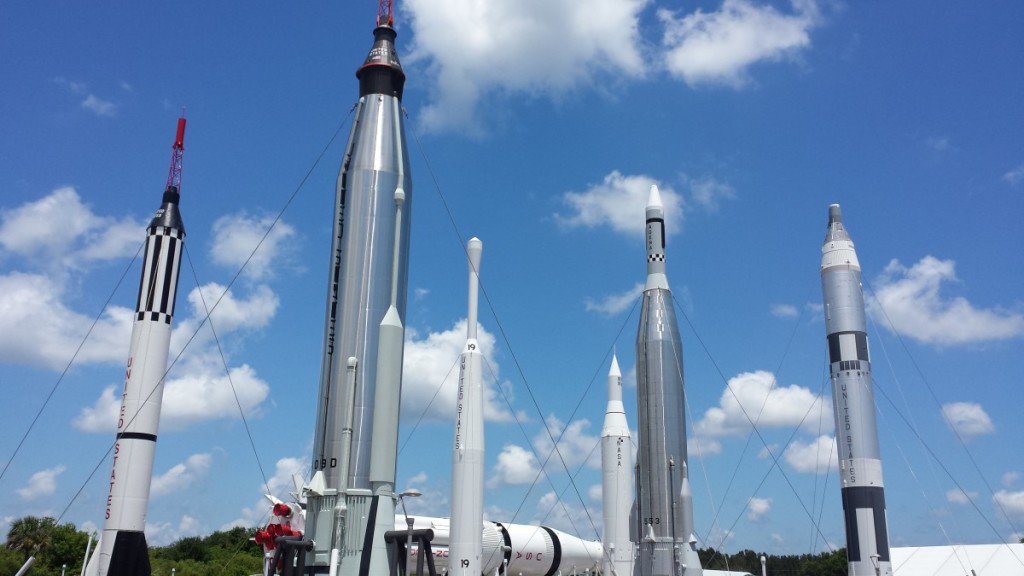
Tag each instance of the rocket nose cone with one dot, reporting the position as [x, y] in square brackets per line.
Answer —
[834, 215]
[381, 72]
[654, 199]
[614, 371]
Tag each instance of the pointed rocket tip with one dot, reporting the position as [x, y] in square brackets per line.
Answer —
[654, 199]
[614, 371]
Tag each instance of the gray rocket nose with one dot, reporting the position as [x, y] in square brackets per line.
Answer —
[834, 214]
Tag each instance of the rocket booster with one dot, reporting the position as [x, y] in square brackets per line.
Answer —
[122, 549]
[361, 260]
[616, 481]
[860, 465]
[466, 539]
[665, 532]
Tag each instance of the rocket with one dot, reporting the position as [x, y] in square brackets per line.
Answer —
[616, 481]
[860, 465]
[465, 546]
[351, 495]
[122, 550]
[664, 532]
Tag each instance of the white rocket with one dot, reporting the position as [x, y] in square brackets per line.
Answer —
[466, 538]
[666, 542]
[616, 481]
[860, 464]
[122, 550]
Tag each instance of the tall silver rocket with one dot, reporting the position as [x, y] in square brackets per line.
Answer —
[122, 550]
[665, 533]
[465, 547]
[860, 465]
[355, 442]
[616, 481]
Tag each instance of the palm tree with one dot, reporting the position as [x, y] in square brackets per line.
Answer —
[31, 535]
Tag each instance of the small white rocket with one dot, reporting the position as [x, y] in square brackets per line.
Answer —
[466, 537]
[616, 481]
[122, 550]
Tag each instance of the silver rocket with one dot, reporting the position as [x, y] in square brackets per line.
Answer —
[860, 465]
[355, 441]
[465, 547]
[122, 550]
[616, 481]
[665, 533]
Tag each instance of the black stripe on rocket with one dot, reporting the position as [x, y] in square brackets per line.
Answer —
[865, 498]
[159, 283]
[848, 351]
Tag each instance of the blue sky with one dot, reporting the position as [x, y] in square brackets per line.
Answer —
[539, 127]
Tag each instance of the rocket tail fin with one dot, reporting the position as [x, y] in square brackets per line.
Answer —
[130, 556]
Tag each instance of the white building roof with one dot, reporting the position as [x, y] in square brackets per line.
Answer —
[960, 560]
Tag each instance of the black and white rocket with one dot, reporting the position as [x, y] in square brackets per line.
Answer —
[465, 545]
[122, 550]
[860, 465]
[351, 497]
[665, 533]
[616, 481]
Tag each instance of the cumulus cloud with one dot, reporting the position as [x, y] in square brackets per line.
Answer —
[958, 496]
[190, 399]
[718, 48]
[1011, 502]
[967, 419]
[708, 192]
[574, 444]
[41, 484]
[430, 374]
[508, 47]
[752, 394]
[516, 465]
[99, 106]
[619, 202]
[1009, 478]
[231, 313]
[784, 311]
[281, 485]
[564, 513]
[757, 508]
[61, 231]
[181, 475]
[236, 236]
[166, 533]
[913, 305]
[616, 303]
[1015, 176]
[816, 457]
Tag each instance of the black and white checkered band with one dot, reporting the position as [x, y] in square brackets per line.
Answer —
[166, 231]
[656, 258]
[848, 351]
[154, 317]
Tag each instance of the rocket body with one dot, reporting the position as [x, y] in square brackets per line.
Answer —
[122, 548]
[616, 481]
[665, 533]
[352, 499]
[465, 537]
[860, 465]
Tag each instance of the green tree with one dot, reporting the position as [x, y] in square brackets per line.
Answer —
[30, 535]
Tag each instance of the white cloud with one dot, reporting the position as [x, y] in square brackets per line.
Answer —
[231, 313]
[516, 465]
[60, 231]
[595, 492]
[719, 47]
[235, 236]
[1009, 478]
[41, 484]
[574, 446]
[100, 107]
[619, 202]
[914, 307]
[967, 419]
[958, 496]
[418, 479]
[190, 399]
[564, 513]
[768, 406]
[430, 375]
[281, 486]
[1011, 502]
[702, 446]
[757, 508]
[510, 47]
[818, 456]
[616, 303]
[707, 192]
[1015, 176]
[784, 311]
[181, 475]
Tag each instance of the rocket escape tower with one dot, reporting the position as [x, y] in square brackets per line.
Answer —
[382, 72]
